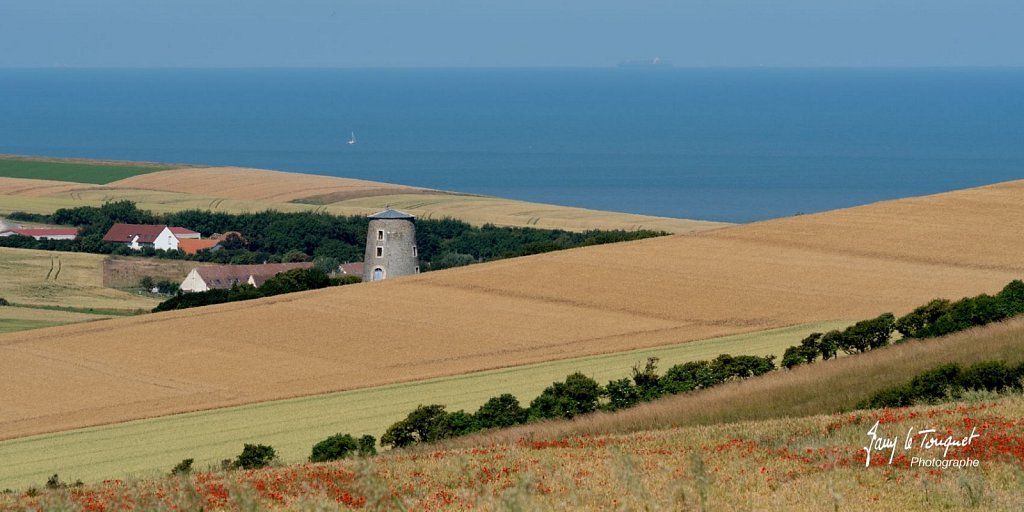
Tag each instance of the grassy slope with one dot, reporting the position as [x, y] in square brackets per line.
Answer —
[231, 189]
[79, 283]
[579, 302]
[71, 170]
[820, 388]
[293, 426]
[798, 464]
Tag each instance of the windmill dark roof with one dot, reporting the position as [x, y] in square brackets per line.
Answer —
[391, 214]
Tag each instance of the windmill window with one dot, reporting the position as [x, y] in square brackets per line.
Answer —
[380, 234]
[380, 252]
[414, 251]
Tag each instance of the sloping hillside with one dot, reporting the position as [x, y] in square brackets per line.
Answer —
[233, 190]
[544, 307]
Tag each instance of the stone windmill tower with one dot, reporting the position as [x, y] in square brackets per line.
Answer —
[390, 246]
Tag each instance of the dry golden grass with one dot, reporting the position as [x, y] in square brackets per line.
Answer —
[795, 464]
[62, 279]
[823, 387]
[545, 307]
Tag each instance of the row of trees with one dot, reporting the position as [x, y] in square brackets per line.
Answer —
[578, 394]
[949, 382]
[295, 280]
[936, 318]
[272, 236]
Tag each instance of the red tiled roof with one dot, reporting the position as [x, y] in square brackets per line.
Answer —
[182, 231]
[192, 246]
[46, 231]
[353, 269]
[224, 276]
[124, 233]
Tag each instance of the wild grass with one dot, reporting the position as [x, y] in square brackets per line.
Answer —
[793, 464]
[293, 426]
[77, 171]
[821, 388]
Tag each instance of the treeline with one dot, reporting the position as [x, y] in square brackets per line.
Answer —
[936, 318]
[578, 394]
[295, 280]
[949, 382]
[274, 237]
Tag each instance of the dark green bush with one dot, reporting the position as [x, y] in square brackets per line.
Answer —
[415, 428]
[647, 381]
[577, 395]
[990, 376]
[183, 468]
[255, 456]
[948, 382]
[335, 447]
[622, 394]
[500, 411]
[367, 446]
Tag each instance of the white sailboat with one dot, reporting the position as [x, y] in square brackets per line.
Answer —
[353, 139]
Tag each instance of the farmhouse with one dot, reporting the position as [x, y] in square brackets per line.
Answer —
[222, 277]
[43, 233]
[158, 236]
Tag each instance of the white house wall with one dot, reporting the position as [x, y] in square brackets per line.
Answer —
[194, 283]
[166, 241]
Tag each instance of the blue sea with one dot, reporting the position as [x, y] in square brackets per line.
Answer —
[734, 145]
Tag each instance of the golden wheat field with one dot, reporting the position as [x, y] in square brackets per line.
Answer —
[235, 190]
[526, 310]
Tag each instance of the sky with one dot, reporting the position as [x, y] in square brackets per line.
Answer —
[501, 33]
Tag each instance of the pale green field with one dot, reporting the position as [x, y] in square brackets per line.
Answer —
[149, 447]
[15, 324]
[13, 318]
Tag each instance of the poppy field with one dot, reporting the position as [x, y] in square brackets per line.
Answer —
[813, 463]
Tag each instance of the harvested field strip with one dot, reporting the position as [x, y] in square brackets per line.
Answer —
[72, 170]
[507, 212]
[823, 387]
[293, 426]
[14, 318]
[255, 184]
